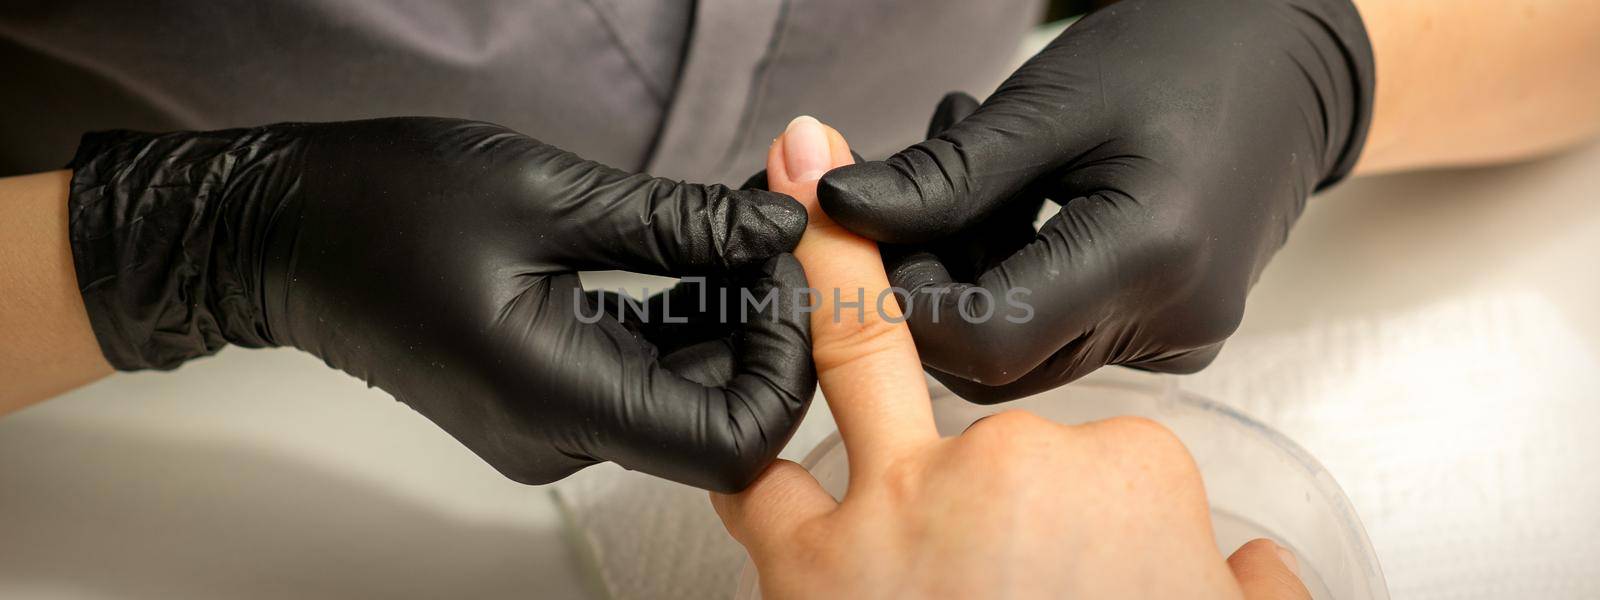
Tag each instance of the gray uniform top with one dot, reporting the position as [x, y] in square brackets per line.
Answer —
[681, 88]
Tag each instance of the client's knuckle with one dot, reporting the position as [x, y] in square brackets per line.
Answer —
[1149, 456]
[848, 340]
[1013, 429]
[902, 480]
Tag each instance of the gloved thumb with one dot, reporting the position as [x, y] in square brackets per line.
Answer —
[1267, 571]
[957, 178]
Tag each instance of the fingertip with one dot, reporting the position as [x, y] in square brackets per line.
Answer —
[846, 193]
[1267, 570]
[776, 501]
[726, 506]
[785, 482]
[916, 271]
[1289, 561]
[761, 225]
[722, 504]
[876, 201]
[782, 472]
[807, 149]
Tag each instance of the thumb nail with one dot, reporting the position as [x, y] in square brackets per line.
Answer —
[1288, 559]
[806, 155]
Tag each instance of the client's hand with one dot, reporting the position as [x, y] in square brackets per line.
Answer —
[1016, 507]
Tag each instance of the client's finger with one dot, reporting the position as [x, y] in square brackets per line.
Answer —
[866, 361]
[1267, 571]
[764, 514]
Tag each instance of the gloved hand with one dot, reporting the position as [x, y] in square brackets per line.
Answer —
[436, 259]
[1181, 139]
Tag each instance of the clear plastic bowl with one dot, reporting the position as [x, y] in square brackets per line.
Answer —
[1259, 483]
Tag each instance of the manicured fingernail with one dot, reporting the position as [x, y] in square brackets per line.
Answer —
[805, 150]
[1288, 559]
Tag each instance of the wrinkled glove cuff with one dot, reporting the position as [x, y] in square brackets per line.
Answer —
[1341, 19]
[166, 245]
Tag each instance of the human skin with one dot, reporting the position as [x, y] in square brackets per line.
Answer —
[47, 346]
[1472, 82]
[1015, 507]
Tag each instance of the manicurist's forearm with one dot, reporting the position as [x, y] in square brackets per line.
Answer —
[46, 346]
[1463, 82]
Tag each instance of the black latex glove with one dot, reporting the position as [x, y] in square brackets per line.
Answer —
[1181, 138]
[436, 259]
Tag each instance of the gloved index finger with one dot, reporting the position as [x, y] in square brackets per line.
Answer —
[866, 361]
[962, 175]
[636, 222]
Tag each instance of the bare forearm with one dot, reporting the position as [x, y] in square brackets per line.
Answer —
[1463, 82]
[47, 346]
